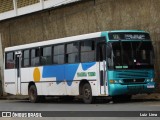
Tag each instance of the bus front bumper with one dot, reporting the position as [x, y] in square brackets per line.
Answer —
[121, 89]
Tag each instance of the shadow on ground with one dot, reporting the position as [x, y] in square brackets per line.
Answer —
[79, 101]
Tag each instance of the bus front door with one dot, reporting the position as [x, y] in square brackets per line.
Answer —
[102, 69]
[18, 72]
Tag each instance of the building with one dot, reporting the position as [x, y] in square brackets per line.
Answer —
[26, 21]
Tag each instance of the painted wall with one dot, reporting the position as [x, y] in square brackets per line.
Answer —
[37, 6]
[85, 17]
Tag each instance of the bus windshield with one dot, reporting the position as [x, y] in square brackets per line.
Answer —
[132, 55]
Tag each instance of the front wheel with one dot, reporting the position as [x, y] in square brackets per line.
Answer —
[87, 93]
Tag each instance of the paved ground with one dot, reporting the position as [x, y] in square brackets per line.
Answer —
[56, 105]
[138, 103]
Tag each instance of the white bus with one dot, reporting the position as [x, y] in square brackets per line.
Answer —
[109, 63]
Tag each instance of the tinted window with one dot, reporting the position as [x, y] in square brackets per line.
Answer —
[72, 47]
[132, 55]
[72, 55]
[58, 57]
[59, 49]
[10, 64]
[46, 54]
[87, 51]
[26, 58]
[35, 56]
[87, 45]
[88, 56]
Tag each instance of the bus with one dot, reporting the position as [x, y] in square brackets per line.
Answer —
[117, 64]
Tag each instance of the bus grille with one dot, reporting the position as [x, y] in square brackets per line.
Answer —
[134, 80]
[132, 74]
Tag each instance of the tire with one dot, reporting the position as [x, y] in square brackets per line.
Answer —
[121, 98]
[32, 92]
[87, 94]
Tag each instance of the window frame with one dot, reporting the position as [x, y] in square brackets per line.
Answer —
[13, 52]
[67, 54]
[42, 47]
[22, 62]
[53, 56]
[88, 51]
[38, 47]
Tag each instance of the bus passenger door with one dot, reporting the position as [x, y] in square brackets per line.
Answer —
[18, 72]
[101, 54]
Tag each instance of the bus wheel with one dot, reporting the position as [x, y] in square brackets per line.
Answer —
[33, 97]
[87, 93]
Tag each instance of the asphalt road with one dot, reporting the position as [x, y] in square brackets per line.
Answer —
[59, 105]
[55, 105]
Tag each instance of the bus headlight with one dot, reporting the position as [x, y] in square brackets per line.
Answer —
[112, 81]
[120, 81]
[115, 81]
[149, 80]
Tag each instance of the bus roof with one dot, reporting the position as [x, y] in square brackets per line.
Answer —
[66, 39]
[54, 41]
[127, 31]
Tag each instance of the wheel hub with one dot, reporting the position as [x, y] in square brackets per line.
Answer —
[32, 94]
[87, 93]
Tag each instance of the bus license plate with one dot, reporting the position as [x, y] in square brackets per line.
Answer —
[150, 86]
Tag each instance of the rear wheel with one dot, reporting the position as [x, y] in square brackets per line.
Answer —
[87, 93]
[32, 92]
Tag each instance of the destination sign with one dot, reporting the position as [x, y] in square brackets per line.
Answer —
[128, 36]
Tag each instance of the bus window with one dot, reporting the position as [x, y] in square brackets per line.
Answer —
[26, 58]
[10, 64]
[58, 57]
[35, 56]
[46, 54]
[87, 51]
[72, 55]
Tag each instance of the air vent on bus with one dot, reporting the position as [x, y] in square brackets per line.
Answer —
[132, 74]
[134, 80]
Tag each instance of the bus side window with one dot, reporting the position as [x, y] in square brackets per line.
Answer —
[58, 57]
[10, 63]
[72, 54]
[46, 55]
[35, 53]
[26, 58]
[88, 51]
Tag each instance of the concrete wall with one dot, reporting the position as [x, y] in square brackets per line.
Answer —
[85, 17]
